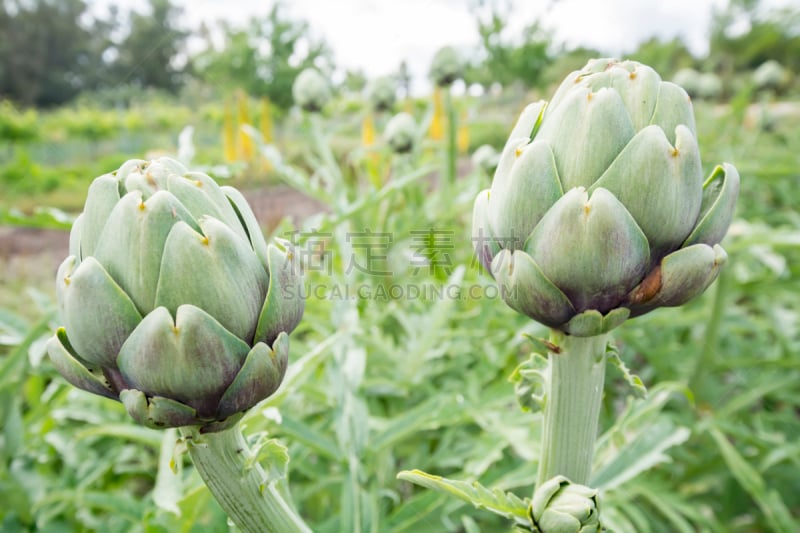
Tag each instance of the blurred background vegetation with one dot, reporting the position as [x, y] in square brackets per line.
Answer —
[382, 385]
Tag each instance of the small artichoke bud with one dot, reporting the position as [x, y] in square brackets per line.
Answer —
[689, 79]
[709, 86]
[383, 93]
[598, 210]
[401, 133]
[560, 506]
[770, 75]
[311, 91]
[446, 67]
[485, 157]
[172, 301]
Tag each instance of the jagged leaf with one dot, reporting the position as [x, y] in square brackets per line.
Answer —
[612, 356]
[529, 379]
[505, 504]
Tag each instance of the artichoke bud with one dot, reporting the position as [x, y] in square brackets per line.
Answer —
[446, 67]
[485, 158]
[171, 300]
[598, 210]
[311, 91]
[383, 93]
[770, 75]
[560, 506]
[401, 133]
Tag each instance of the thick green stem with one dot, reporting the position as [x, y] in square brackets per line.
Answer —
[239, 484]
[572, 406]
[452, 133]
[706, 361]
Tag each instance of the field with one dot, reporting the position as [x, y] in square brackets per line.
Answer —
[406, 364]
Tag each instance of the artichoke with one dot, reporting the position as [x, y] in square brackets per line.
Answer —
[559, 506]
[172, 302]
[446, 67]
[598, 210]
[383, 93]
[311, 91]
[770, 75]
[689, 79]
[485, 157]
[709, 86]
[401, 133]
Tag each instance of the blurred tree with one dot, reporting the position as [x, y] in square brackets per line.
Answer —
[354, 80]
[48, 53]
[666, 57]
[403, 75]
[263, 59]
[744, 35]
[152, 53]
[507, 60]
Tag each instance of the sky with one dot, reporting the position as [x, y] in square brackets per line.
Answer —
[376, 35]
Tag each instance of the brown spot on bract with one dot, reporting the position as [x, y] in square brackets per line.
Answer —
[648, 288]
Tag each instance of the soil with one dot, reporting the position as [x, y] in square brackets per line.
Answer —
[29, 257]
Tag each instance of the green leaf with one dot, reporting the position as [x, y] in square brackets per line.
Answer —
[769, 501]
[637, 441]
[505, 504]
[168, 492]
[530, 379]
[273, 455]
[612, 356]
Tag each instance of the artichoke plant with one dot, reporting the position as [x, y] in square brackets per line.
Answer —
[401, 133]
[770, 75]
[709, 86]
[598, 210]
[485, 157]
[311, 91]
[559, 506]
[446, 67]
[689, 79]
[172, 302]
[383, 93]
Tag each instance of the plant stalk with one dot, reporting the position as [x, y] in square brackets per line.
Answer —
[452, 133]
[572, 406]
[239, 483]
[706, 362]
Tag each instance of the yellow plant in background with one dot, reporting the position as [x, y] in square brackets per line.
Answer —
[436, 131]
[228, 135]
[367, 131]
[372, 159]
[245, 144]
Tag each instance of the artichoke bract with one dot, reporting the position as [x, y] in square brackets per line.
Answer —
[311, 91]
[172, 301]
[598, 210]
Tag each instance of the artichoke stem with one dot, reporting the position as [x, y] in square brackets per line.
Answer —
[572, 406]
[239, 483]
[452, 131]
